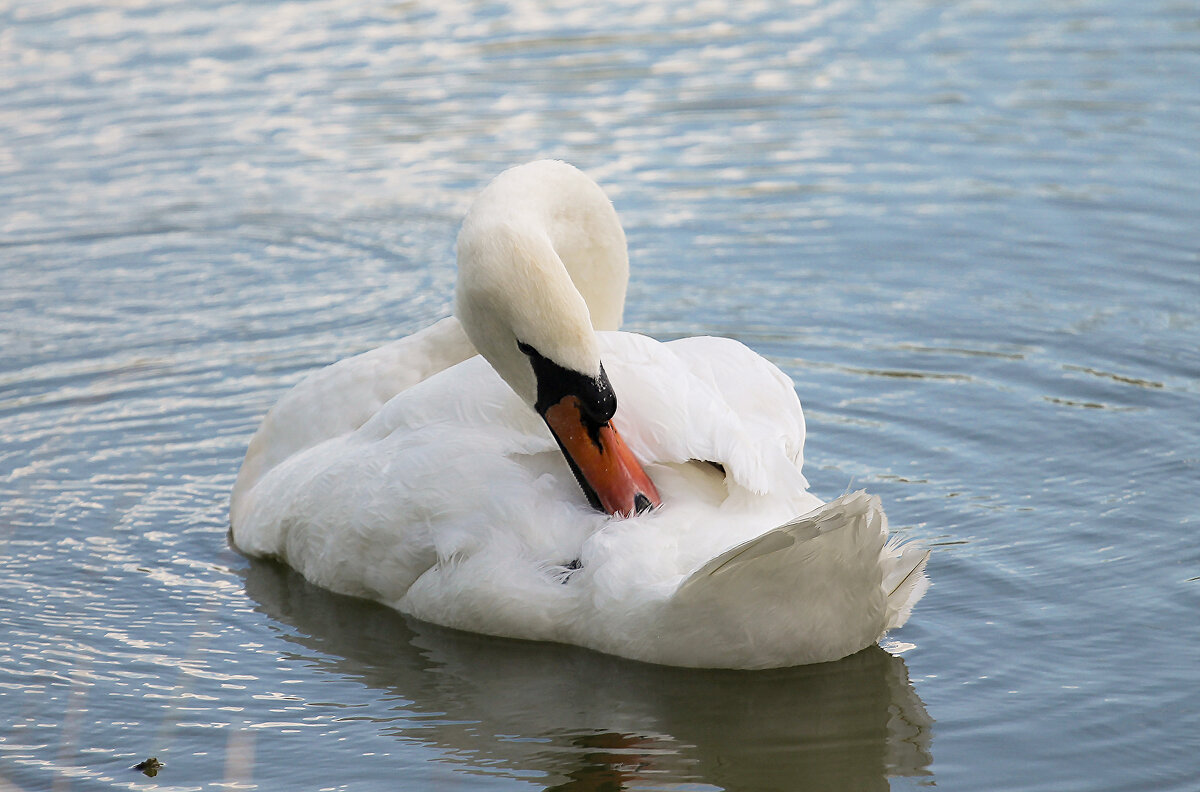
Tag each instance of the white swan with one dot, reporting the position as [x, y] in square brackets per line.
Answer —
[425, 476]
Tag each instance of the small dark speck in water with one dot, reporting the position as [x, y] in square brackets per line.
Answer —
[149, 767]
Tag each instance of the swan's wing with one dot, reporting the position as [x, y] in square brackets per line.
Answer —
[859, 512]
[710, 399]
[454, 468]
[340, 398]
[808, 591]
[903, 565]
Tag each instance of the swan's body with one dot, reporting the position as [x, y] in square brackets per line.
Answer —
[415, 475]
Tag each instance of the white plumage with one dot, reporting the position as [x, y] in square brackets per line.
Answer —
[415, 475]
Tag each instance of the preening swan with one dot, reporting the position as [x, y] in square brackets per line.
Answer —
[570, 482]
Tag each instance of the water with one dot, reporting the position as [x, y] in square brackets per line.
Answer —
[967, 230]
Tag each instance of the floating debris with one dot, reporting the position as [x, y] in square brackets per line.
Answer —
[150, 766]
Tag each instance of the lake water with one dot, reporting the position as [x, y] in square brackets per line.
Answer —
[969, 231]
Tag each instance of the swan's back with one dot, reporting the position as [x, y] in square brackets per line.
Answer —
[337, 399]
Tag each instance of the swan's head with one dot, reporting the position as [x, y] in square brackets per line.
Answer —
[542, 264]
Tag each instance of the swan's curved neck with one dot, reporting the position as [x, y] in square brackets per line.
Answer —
[541, 265]
[541, 261]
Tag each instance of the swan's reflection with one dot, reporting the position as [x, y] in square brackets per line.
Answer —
[594, 722]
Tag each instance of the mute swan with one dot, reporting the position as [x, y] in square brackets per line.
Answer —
[493, 493]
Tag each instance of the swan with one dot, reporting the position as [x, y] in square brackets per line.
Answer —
[525, 469]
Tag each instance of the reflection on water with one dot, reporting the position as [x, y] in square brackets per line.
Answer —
[600, 723]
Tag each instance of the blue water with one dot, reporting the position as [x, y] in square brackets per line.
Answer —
[967, 230]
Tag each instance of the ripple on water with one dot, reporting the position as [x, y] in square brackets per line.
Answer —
[966, 231]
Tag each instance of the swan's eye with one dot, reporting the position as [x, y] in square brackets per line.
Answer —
[554, 382]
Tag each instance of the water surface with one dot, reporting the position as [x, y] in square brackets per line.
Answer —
[966, 230]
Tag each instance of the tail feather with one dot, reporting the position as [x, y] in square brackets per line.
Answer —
[906, 582]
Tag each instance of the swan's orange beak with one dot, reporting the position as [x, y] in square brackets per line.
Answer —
[610, 475]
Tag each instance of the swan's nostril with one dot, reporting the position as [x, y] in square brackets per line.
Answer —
[641, 503]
